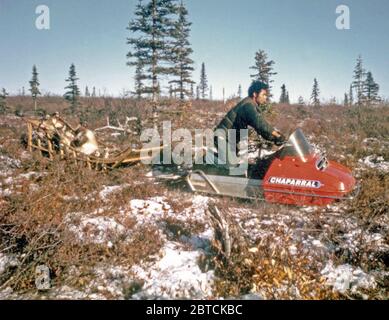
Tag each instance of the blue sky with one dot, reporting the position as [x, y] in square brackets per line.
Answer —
[299, 35]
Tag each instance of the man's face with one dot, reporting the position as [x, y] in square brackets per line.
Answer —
[260, 98]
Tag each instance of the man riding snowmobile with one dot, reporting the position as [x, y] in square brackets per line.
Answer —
[246, 113]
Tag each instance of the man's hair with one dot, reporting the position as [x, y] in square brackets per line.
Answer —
[257, 86]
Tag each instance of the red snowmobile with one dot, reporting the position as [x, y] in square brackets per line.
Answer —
[295, 174]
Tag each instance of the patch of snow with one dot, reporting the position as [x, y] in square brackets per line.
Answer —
[112, 279]
[176, 275]
[200, 202]
[370, 144]
[369, 140]
[154, 211]
[292, 250]
[267, 222]
[200, 241]
[4, 173]
[312, 243]
[24, 176]
[308, 209]
[354, 238]
[94, 228]
[5, 192]
[335, 208]
[24, 155]
[97, 230]
[318, 244]
[354, 136]
[107, 190]
[70, 198]
[345, 277]
[7, 293]
[375, 162]
[259, 227]
[150, 174]
[148, 211]
[10, 162]
[7, 261]
[68, 293]
[376, 237]
[8, 181]
[30, 174]
[251, 296]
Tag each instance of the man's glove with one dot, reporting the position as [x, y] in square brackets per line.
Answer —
[280, 140]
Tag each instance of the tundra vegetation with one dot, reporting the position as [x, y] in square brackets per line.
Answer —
[122, 234]
[43, 202]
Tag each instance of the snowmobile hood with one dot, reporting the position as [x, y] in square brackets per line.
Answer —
[339, 178]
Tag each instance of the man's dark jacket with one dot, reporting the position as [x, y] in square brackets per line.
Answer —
[246, 113]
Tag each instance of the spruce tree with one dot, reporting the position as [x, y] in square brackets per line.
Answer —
[240, 92]
[264, 69]
[3, 101]
[73, 92]
[203, 82]
[315, 93]
[170, 91]
[359, 75]
[87, 93]
[301, 101]
[351, 96]
[139, 78]
[142, 50]
[283, 97]
[158, 91]
[287, 98]
[197, 93]
[210, 93]
[346, 100]
[182, 63]
[191, 90]
[370, 89]
[94, 92]
[150, 42]
[34, 86]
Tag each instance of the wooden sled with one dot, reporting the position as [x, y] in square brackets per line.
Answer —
[52, 136]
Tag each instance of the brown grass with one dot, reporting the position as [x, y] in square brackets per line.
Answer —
[31, 221]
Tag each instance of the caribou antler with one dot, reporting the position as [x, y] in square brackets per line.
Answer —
[122, 128]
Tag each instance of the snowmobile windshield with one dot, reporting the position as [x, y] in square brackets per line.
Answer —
[297, 145]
